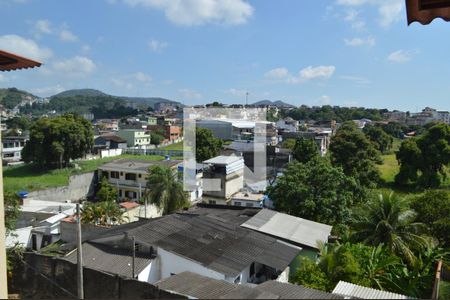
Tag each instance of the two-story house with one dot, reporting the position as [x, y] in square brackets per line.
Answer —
[135, 137]
[130, 176]
[12, 148]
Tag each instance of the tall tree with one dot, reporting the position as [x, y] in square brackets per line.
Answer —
[305, 150]
[429, 153]
[55, 141]
[164, 190]
[316, 191]
[387, 219]
[381, 140]
[351, 150]
[103, 213]
[207, 146]
[433, 209]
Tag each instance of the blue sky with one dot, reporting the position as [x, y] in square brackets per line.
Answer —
[338, 52]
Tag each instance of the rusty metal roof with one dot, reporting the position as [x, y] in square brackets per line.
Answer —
[10, 62]
[425, 11]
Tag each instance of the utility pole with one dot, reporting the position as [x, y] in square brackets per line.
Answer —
[80, 282]
[246, 98]
[134, 256]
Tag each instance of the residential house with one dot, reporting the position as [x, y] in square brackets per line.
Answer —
[205, 241]
[223, 178]
[288, 124]
[107, 124]
[195, 286]
[135, 137]
[247, 199]
[129, 176]
[297, 231]
[170, 133]
[109, 141]
[12, 148]
[39, 223]
[195, 188]
[353, 291]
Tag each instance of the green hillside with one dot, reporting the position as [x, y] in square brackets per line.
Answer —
[11, 97]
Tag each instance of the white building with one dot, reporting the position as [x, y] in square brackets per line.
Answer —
[208, 242]
[12, 148]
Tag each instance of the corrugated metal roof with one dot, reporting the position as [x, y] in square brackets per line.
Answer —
[292, 291]
[108, 259]
[213, 238]
[201, 287]
[297, 230]
[137, 165]
[355, 291]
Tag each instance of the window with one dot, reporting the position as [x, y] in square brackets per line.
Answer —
[237, 203]
[114, 174]
[249, 204]
[121, 173]
[212, 202]
[140, 175]
[105, 174]
[120, 193]
[6, 155]
[130, 176]
[238, 279]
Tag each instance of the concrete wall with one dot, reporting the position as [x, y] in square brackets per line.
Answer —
[172, 263]
[30, 283]
[80, 187]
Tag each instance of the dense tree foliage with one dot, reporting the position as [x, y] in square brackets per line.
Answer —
[316, 191]
[387, 219]
[207, 146]
[55, 141]
[305, 150]
[433, 209]
[371, 266]
[156, 139]
[101, 106]
[289, 144]
[20, 122]
[164, 191]
[381, 140]
[328, 113]
[104, 213]
[423, 159]
[12, 210]
[352, 150]
[106, 192]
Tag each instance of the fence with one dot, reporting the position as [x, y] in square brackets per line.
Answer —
[42, 277]
[153, 152]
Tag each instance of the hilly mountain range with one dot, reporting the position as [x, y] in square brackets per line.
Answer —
[277, 103]
[145, 101]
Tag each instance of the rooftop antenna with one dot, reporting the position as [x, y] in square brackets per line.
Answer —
[246, 98]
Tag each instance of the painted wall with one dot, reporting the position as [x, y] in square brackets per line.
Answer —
[173, 264]
[80, 187]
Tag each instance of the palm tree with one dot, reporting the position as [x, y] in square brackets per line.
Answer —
[388, 220]
[102, 213]
[164, 191]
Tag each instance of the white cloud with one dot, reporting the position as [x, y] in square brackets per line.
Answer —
[353, 17]
[356, 42]
[304, 75]
[356, 79]
[130, 81]
[3, 78]
[190, 94]
[67, 36]
[236, 92]
[402, 56]
[198, 12]
[389, 11]
[77, 65]
[325, 100]
[85, 48]
[48, 91]
[310, 72]
[24, 47]
[139, 76]
[157, 46]
[42, 27]
[278, 73]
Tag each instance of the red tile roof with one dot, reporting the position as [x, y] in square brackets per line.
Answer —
[10, 62]
[129, 205]
[425, 11]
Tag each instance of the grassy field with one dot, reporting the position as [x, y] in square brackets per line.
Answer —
[177, 146]
[30, 178]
